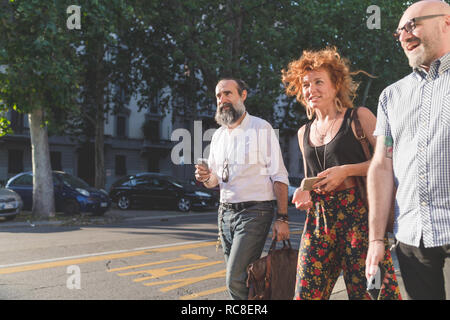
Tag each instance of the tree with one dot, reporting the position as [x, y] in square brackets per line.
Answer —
[255, 39]
[38, 79]
[175, 51]
[111, 50]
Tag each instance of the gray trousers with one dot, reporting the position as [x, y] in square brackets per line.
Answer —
[243, 235]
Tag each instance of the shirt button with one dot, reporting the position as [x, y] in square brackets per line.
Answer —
[423, 203]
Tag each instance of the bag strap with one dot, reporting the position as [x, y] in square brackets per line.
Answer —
[360, 135]
[274, 244]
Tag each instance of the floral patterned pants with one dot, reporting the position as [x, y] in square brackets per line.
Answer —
[335, 239]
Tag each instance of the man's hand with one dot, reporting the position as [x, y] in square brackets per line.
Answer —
[280, 230]
[375, 254]
[202, 174]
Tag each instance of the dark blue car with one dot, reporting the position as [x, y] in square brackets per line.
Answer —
[72, 195]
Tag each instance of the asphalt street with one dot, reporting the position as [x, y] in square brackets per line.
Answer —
[135, 254]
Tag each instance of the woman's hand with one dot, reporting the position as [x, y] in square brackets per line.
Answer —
[333, 177]
[302, 199]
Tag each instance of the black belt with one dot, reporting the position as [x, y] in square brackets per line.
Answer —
[241, 205]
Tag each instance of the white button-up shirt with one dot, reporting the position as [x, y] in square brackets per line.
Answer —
[254, 159]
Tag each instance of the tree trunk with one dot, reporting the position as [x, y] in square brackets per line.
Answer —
[367, 88]
[43, 194]
[97, 83]
[233, 39]
[99, 146]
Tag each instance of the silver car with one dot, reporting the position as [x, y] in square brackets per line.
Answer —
[10, 204]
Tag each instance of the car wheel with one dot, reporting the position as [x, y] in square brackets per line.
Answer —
[184, 204]
[71, 208]
[124, 203]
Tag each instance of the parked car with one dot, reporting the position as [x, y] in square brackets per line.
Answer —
[10, 204]
[72, 195]
[160, 190]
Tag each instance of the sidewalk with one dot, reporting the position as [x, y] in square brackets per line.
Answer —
[24, 219]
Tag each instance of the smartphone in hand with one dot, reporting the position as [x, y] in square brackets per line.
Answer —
[203, 162]
[307, 183]
[375, 282]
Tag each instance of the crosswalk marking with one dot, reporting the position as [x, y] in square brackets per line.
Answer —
[161, 272]
[182, 257]
[61, 262]
[187, 281]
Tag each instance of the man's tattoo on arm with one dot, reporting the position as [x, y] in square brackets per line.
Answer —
[388, 143]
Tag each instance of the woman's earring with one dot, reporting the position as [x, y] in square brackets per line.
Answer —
[338, 103]
[309, 112]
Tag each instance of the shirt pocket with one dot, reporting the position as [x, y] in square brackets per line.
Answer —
[445, 113]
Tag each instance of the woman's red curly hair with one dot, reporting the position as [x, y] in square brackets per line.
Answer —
[331, 61]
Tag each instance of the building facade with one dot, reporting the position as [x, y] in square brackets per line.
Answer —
[135, 141]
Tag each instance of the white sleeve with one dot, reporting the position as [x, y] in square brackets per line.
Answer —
[270, 147]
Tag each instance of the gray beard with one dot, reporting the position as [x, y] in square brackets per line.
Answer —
[230, 116]
[425, 55]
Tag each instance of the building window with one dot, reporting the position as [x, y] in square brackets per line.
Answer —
[121, 165]
[55, 160]
[15, 161]
[151, 130]
[121, 126]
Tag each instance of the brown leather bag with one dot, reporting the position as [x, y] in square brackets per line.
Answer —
[273, 277]
[361, 181]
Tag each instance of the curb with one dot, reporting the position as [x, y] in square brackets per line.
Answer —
[111, 216]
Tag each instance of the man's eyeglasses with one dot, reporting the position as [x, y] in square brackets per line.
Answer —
[225, 172]
[410, 25]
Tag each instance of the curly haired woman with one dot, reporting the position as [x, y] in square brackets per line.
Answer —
[335, 237]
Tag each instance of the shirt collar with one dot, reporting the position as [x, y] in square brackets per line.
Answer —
[438, 66]
[445, 63]
[245, 122]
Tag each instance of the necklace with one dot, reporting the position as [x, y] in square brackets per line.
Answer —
[323, 136]
[322, 168]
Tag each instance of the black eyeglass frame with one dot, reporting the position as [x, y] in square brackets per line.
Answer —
[411, 24]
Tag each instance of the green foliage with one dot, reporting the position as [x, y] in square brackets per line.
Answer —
[38, 58]
[145, 46]
[255, 39]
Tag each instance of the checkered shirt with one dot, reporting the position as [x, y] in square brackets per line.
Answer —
[415, 112]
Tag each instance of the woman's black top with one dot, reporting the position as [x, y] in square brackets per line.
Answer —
[344, 148]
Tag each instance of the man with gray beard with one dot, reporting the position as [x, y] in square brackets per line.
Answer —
[246, 162]
[413, 154]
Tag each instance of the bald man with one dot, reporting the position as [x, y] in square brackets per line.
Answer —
[413, 154]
